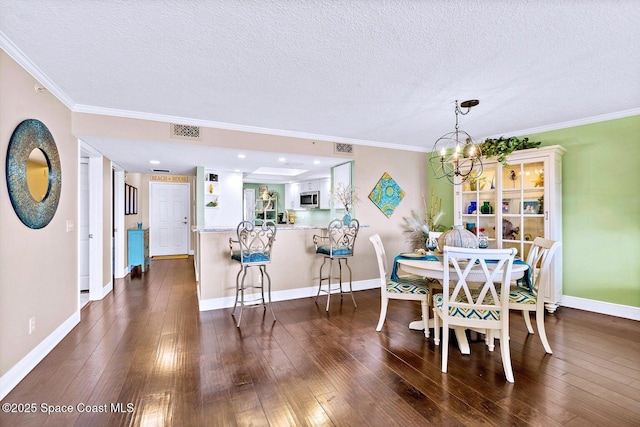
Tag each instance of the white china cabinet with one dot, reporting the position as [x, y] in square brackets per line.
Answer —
[511, 204]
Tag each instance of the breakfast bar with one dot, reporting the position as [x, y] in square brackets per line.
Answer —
[293, 269]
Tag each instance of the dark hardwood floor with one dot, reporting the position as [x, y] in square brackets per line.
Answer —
[148, 348]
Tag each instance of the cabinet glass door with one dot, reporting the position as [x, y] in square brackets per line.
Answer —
[479, 204]
[522, 205]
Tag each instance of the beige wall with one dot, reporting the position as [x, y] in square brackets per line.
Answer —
[408, 168]
[39, 268]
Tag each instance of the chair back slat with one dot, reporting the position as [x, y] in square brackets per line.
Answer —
[476, 284]
[256, 242]
[539, 259]
[381, 257]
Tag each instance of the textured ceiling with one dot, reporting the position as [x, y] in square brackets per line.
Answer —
[372, 72]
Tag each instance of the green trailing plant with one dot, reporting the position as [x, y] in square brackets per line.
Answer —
[501, 147]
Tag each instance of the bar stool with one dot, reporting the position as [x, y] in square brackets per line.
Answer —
[337, 244]
[254, 250]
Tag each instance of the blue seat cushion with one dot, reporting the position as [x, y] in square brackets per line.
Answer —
[408, 285]
[254, 257]
[339, 251]
[522, 295]
[469, 313]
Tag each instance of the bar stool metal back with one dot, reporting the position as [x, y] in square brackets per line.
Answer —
[253, 249]
[338, 244]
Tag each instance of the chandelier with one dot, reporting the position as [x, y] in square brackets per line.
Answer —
[455, 156]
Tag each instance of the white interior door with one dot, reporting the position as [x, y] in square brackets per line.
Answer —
[83, 226]
[169, 219]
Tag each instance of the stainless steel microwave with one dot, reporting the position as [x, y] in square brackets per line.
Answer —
[310, 199]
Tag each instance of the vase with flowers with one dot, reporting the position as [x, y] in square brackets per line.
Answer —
[345, 195]
[419, 226]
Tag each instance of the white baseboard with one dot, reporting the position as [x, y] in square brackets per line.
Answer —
[289, 294]
[601, 307]
[107, 288]
[20, 370]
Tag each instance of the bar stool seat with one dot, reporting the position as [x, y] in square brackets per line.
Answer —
[337, 244]
[253, 249]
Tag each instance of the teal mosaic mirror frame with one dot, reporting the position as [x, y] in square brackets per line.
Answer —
[27, 136]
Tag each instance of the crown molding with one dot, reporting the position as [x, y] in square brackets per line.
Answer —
[80, 108]
[31, 68]
[572, 123]
[17, 55]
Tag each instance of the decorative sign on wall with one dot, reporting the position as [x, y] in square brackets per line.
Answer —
[386, 194]
[169, 178]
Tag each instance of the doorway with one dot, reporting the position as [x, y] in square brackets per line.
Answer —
[90, 218]
[169, 218]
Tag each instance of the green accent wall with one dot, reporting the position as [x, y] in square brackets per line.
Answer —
[278, 188]
[601, 208]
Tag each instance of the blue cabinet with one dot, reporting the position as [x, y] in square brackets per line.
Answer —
[138, 247]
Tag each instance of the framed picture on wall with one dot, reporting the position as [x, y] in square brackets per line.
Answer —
[127, 207]
[130, 200]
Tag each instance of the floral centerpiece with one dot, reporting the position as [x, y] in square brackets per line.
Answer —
[418, 226]
[347, 197]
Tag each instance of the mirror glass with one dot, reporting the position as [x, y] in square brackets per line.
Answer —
[38, 174]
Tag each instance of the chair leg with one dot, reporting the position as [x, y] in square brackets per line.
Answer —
[235, 304]
[541, 330]
[329, 284]
[346, 262]
[241, 297]
[320, 278]
[268, 291]
[506, 354]
[384, 303]
[527, 321]
[490, 339]
[436, 327]
[425, 316]
[445, 345]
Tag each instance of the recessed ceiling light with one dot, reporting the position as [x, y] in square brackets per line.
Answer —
[282, 159]
[316, 162]
[154, 162]
[241, 156]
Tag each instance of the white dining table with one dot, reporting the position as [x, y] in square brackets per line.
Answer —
[433, 269]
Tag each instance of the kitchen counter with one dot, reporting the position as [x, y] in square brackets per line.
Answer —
[280, 227]
[293, 269]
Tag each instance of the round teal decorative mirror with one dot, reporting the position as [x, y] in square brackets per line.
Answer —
[33, 173]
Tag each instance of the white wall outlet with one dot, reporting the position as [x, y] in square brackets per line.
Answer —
[32, 324]
[70, 226]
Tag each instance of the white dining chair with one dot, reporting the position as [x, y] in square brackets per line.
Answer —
[408, 287]
[528, 299]
[473, 297]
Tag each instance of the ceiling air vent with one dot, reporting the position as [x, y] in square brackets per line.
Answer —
[342, 148]
[185, 131]
[160, 170]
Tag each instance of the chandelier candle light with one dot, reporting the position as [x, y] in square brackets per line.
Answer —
[453, 159]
